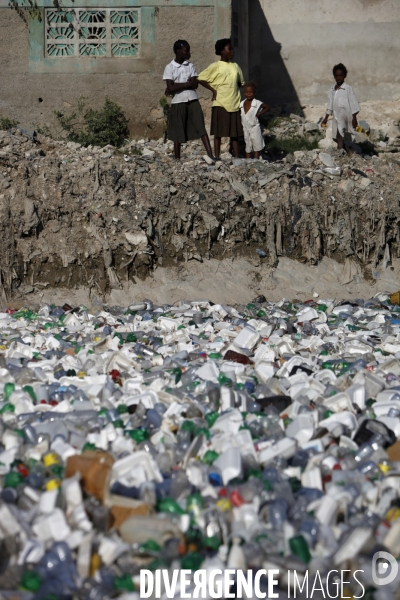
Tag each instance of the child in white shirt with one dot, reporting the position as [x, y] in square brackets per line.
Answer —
[343, 105]
[186, 119]
[251, 109]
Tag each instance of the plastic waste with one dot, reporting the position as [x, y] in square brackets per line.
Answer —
[196, 436]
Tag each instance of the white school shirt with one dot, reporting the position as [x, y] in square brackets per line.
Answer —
[181, 74]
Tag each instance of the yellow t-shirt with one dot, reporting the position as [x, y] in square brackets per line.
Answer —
[227, 79]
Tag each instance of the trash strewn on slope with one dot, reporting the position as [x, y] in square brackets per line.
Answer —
[103, 216]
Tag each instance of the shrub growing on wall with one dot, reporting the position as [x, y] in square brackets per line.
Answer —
[6, 123]
[108, 125]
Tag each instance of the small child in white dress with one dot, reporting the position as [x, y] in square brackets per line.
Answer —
[343, 105]
[250, 110]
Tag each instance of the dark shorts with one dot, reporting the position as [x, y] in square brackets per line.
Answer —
[186, 122]
[225, 124]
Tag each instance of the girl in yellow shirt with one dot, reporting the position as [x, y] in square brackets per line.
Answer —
[224, 79]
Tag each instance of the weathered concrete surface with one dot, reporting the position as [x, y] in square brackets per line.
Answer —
[287, 46]
[295, 43]
[32, 98]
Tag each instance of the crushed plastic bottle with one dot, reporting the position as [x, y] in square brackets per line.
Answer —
[194, 436]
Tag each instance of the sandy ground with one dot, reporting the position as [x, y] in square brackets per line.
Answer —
[235, 282]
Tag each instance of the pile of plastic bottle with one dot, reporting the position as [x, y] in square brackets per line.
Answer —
[197, 436]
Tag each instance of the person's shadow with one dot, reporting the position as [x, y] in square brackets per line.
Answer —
[266, 65]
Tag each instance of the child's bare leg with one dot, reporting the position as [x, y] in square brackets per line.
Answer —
[235, 147]
[248, 154]
[339, 140]
[177, 150]
[217, 146]
[206, 141]
[256, 155]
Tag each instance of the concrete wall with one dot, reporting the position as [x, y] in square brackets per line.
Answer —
[240, 36]
[295, 43]
[287, 46]
[31, 98]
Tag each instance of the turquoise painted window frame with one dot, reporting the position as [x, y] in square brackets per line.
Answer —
[40, 63]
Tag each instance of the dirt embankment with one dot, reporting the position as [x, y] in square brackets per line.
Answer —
[73, 216]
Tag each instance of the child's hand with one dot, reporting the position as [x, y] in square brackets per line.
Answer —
[354, 122]
[324, 122]
[262, 110]
[214, 96]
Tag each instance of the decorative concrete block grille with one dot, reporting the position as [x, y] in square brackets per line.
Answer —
[104, 32]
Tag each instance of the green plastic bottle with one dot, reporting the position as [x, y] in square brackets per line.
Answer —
[30, 581]
[192, 561]
[299, 548]
[138, 435]
[8, 390]
[195, 504]
[215, 355]
[149, 546]
[13, 479]
[29, 390]
[209, 457]
[169, 505]
[124, 583]
[211, 417]
[7, 408]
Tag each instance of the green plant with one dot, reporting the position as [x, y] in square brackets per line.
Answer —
[26, 10]
[273, 121]
[29, 9]
[44, 130]
[7, 123]
[107, 125]
[288, 145]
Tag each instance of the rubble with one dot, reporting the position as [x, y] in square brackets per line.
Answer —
[105, 216]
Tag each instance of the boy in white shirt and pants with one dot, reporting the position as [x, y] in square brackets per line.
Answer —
[344, 108]
[251, 109]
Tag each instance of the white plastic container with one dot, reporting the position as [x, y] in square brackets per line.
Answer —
[230, 464]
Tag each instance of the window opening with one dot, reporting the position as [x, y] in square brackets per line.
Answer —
[104, 32]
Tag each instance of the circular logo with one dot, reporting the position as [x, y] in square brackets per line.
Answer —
[384, 568]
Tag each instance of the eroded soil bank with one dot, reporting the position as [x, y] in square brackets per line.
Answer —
[106, 220]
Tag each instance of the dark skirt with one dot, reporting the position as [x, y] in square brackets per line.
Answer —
[186, 122]
[226, 124]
